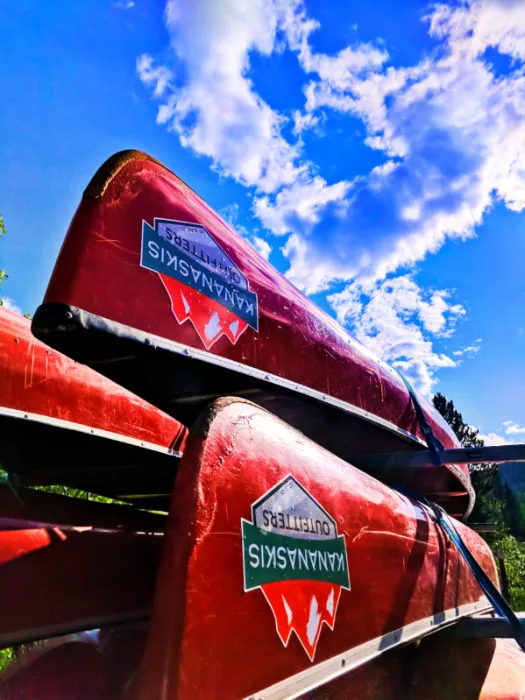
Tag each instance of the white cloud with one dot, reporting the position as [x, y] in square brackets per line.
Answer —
[303, 121]
[469, 350]
[309, 277]
[512, 428]
[11, 304]
[399, 322]
[451, 130]
[304, 201]
[124, 4]
[454, 130]
[157, 77]
[215, 109]
[494, 439]
[512, 434]
[337, 70]
[482, 23]
[262, 247]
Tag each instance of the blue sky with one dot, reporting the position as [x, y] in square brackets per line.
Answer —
[375, 152]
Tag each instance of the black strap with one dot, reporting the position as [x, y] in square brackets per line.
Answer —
[494, 596]
[434, 445]
[497, 601]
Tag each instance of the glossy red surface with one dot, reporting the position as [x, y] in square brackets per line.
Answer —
[36, 379]
[485, 669]
[68, 564]
[208, 638]
[438, 669]
[295, 339]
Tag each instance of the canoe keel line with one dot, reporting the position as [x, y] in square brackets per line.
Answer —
[307, 536]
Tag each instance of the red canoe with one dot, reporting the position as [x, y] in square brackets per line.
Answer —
[365, 572]
[61, 422]
[70, 564]
[167, 300]
[292, 567]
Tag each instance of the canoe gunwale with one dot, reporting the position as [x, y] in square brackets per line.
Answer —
[318, 675]
[44, 419]
[65, 326]
[347, 404]
[88, 321]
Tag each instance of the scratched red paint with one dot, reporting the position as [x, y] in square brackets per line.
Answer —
[36, 379]
[295, 340]
[210, 640]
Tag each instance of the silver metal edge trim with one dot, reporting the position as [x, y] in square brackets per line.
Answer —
[320, 674]
[213, 359]
[73, 627]
[81, 428]
[460, 476]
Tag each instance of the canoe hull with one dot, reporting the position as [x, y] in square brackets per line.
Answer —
[69, 564]
[378, 572]
[189, 311]
[61, 422]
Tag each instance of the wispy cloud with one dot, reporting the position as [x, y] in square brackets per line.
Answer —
[509, 433]
[159, 78]
[214, 108]
[397, 319]
[454, 132]
[494, 439]
[11, 304]
[512, 428]
[469, 350]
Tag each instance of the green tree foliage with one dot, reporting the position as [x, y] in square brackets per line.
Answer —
[3, 273]
[509, 551]
[6, 656]
[61, 490]
[468, 436]
[482, 475]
